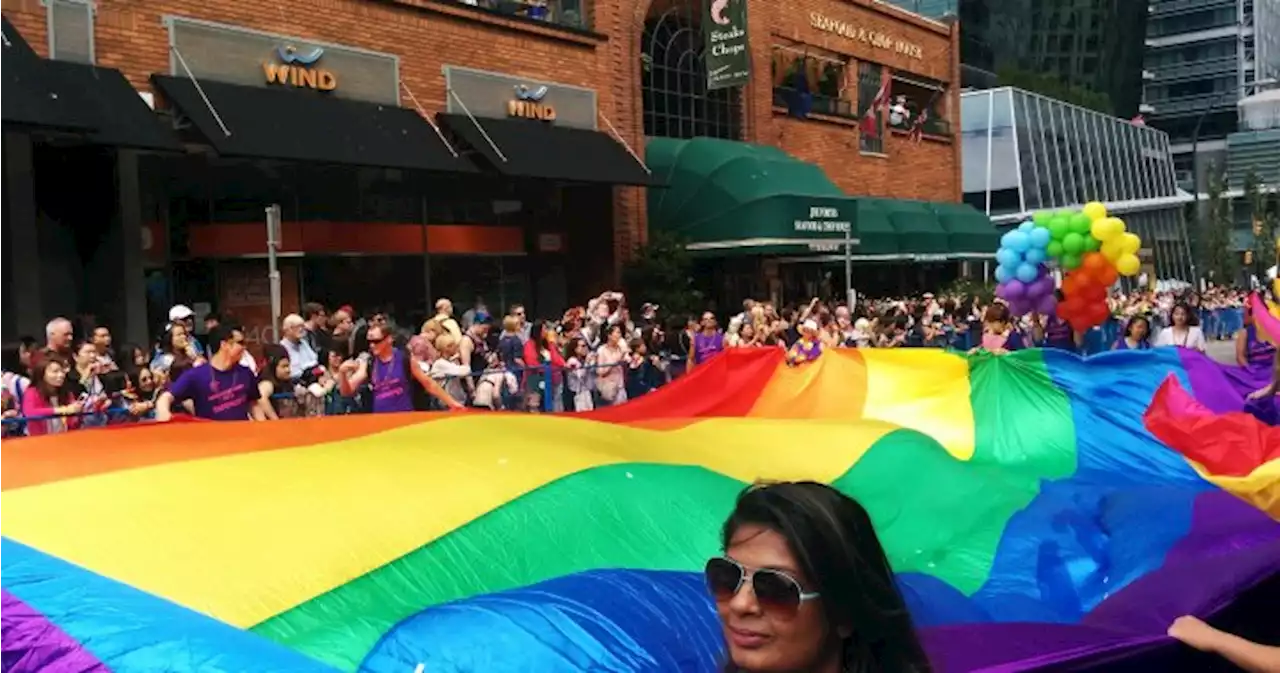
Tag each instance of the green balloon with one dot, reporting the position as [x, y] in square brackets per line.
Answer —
[1054, 249]
[1092, 244]
[1073, 243]
[1058, 227]
[1042, 217]
[1070, 261]
[1080, 224]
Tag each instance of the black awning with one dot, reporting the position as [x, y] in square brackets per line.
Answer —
[30, 99]
[107, 101]
[536, 149]
[309, 126]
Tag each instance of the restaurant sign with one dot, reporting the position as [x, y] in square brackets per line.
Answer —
[528, 103]
[861, 34]
[725, 34]
[823, 220]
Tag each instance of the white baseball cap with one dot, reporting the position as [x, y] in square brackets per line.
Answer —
[180, 312]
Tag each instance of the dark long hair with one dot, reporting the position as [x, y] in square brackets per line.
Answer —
[835, 544]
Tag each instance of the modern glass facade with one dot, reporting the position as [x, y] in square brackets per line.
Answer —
[1202, 57]
[1023, 152]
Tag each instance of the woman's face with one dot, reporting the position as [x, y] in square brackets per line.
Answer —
[24, 356]
[145, 383]
[282, 369]
[140, 358]
[1180, 317]
[615, 335]
[1138, 330]
[773, 639]
[581, 349]
[335, 360]
[747, 331]
[179, 338]
[55, 375]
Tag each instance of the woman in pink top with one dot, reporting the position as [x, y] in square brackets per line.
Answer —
[48, 396]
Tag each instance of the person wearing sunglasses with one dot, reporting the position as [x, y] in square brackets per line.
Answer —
[398, 381]
[804, 585]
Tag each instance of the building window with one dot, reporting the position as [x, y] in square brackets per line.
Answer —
[569, 13]
[799, 72]
[911, 96]
[870, 77]
[70, 30]
[677, 103]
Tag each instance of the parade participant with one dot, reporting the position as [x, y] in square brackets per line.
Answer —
[1251, 351]
[707, 341]
[223, 389]
[1136, 335]
[1184, 331]
[808, 347]
[392, 373]
[1247, 655]
[999, 336]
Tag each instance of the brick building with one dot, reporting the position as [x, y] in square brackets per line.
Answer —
[476, 145]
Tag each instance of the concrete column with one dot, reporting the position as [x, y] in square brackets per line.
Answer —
[133, 280]
[22, 248]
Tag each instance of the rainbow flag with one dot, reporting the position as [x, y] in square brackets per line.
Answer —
[1030, 513]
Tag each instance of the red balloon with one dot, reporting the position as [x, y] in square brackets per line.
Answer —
[1064, 311]
[1094, 293]
[1071, 284]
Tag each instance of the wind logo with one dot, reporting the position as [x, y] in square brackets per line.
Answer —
[296, 68]
[528, 104]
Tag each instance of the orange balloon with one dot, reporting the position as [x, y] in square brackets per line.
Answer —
[1094, 263]
[1071, 284]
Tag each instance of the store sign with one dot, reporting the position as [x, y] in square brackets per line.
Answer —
[529, 104]
[499, 96]
[725, 33]
[236, 55]
[298, 68]
[861, 34]
[823, 220]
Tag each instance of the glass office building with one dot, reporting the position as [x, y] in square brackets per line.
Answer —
[1023, 152]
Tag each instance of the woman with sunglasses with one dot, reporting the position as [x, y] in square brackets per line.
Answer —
[804, 585]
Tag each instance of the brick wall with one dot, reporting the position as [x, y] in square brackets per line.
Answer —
[427, 34]
[929, 169]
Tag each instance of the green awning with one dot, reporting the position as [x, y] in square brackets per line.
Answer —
[920, 234]
[970, 231]
[727, 197]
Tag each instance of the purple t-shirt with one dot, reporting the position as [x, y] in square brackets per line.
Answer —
[706, 346]
[217, 395]
[390, 384]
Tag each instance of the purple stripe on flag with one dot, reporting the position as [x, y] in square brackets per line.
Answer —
[31, 643]
[1223, 388]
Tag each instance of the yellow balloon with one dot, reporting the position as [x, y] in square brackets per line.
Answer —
[1111, 250]
[1095, 211]
[1128, 265]
[1130, 243]
[1099, 229]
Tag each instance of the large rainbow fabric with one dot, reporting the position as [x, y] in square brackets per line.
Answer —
[1029, 510]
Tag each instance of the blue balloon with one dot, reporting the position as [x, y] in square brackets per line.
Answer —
[1007, 257]
[1026, 273]
[1040, 237]
[1027, 226]
[1033, 255]
[1003, 274]
[1016, 241]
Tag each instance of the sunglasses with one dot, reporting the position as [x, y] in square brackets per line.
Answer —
[775, 591]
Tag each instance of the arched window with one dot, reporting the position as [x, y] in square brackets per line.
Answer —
[677, 103]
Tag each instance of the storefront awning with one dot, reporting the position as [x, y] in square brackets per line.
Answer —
[538, 149]
[255, 122]
[920, 233]
[734, 198]
[969, 230]
[60, 96]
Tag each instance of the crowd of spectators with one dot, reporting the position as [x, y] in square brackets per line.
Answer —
[593, 355]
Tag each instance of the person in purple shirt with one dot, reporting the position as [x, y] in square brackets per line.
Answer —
[707, 342]
[394, 375]
[223, 389]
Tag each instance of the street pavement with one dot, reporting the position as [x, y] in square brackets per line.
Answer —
[1223, 351]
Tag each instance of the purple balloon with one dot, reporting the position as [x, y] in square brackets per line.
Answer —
[1019, 307]
[1015, 290]
[1042, 286]
[1047, 304]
